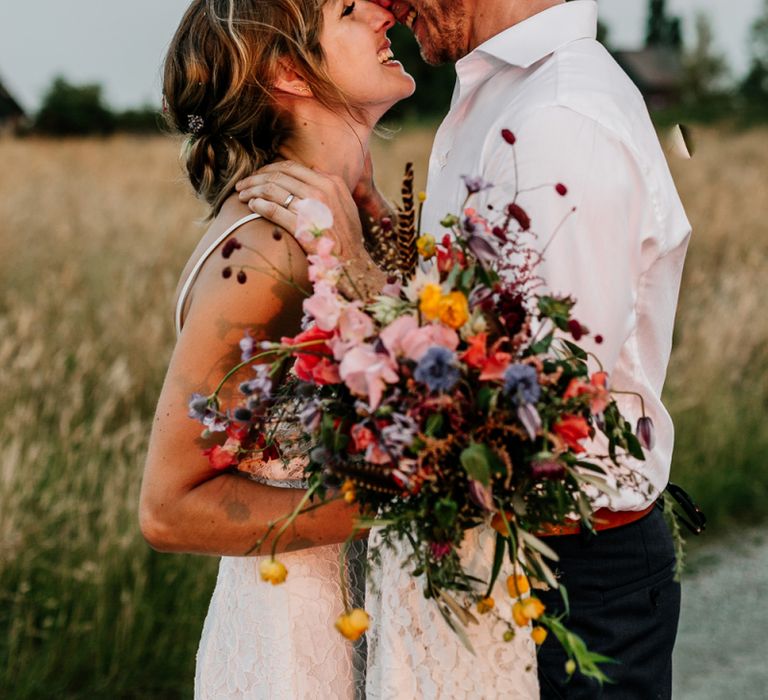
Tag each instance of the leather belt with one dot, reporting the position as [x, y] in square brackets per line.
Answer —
[604, 519]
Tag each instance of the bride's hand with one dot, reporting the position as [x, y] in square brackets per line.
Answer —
[271, 192]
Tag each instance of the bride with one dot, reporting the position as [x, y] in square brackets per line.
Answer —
[252, 82]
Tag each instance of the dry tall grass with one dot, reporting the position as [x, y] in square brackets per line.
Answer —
[92, 236]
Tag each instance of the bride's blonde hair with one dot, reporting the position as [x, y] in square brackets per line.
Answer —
[218, 84]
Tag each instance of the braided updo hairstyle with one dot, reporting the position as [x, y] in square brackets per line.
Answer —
[218, 84]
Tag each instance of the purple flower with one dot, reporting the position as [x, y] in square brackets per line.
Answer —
[475, 184]
[530, 419]
[437, 369]
[400, 433]
[310, 416]
[260, 387]
[548, 469]
[480, 495]
[483, 248]
[205, 411]
[247, 347]
[521, 384]
[646, 433]
[198, 407]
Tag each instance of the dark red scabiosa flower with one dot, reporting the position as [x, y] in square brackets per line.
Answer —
[511, 310]
[548, 469]
[646, 433]
[516, 212]
[561, 189]
[226, 273]
[230, 247]
[242, 278]
[277, 234]
[576, 329]
[440, 550]
[508, 136]
[599, 339]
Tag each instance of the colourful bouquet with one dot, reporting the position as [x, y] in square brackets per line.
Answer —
[456, 398]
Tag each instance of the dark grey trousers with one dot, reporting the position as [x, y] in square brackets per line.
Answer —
[624, 604]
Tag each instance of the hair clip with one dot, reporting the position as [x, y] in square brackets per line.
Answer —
[195, 123]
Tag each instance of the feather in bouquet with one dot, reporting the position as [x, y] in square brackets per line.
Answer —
[457, 398]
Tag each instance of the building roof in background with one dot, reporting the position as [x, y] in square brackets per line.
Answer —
[8, 105]
[653, 68]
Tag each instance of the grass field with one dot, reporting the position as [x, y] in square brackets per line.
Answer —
[92, 237]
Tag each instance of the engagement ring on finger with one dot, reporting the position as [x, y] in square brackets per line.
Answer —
[288, 201]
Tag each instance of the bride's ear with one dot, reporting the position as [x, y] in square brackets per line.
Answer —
[291, 82]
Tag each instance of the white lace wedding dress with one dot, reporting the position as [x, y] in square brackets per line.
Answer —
[264, 642]
[412, 653]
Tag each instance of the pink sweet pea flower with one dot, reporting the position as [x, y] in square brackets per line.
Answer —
[323, 265]
[367, 372]
[324, 306]
[313, 218]
[375, 455]
[392, 336]
[223, 456]
[416, 343]
[354, 325]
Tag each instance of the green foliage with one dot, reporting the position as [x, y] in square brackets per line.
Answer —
[71, 110]
[662, 30]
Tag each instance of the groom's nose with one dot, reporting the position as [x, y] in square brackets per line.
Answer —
[381, 18]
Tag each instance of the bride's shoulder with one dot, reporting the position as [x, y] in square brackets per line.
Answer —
[242, 262]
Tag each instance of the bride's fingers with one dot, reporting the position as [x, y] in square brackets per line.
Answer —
[277, 214]
[276, 187]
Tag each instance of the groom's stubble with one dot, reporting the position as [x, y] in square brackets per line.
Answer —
[447, 30]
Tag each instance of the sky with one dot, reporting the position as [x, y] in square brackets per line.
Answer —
[121, 44]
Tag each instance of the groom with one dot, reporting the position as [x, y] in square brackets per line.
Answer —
[534, 68]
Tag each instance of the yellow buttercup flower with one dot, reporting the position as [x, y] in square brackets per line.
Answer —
[538, 634]
[485, 605]
[523, 611]
[533, 608]
[348, 489]
[427, 246]
[429, 301]
[273, 571]
[518, 585]
[353, 624]
[454, 310]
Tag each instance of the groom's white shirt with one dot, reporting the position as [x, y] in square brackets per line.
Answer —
[578, 120]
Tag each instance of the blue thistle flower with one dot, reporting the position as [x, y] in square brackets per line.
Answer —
[437, 369]
[521, 384]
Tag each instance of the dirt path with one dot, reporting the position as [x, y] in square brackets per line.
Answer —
[722, 647]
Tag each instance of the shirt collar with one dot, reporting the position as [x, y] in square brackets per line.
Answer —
[542, 34]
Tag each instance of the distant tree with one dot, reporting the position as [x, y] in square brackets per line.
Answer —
[661, 29]
[754, 87]
[705, 68]
[74, 110]
[144, 120]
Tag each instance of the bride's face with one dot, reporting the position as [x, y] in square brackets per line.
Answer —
[358, 58]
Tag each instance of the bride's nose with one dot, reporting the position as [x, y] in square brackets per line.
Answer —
[380, 18]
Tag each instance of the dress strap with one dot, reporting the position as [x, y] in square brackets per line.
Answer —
[199, 265]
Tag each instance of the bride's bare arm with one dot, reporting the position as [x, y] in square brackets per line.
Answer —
[185, 505]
